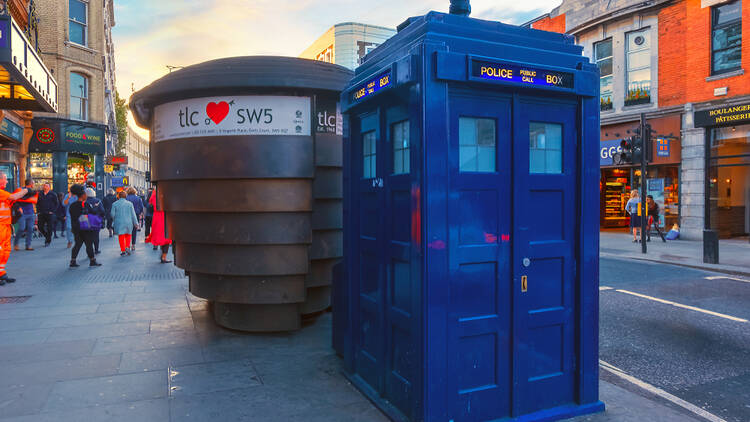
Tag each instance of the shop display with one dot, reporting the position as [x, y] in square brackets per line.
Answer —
[615, 191]
[40, 168]
[78, 170]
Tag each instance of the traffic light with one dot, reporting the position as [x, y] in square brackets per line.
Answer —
[637, 149]
[625, 155]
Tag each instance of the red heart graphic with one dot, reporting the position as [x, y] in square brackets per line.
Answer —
[217, 112]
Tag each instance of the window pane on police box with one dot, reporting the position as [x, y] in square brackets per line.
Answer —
[467, 157]
[467, 132]
[486, 159]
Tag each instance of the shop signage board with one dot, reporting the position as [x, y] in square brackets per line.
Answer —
[328, 116]
[109, 168]
[662, 147]
[120, 181]
[116, 159]
[729, 115]
[232, 116]
[607, 150]
[66, 135]
[11, 130]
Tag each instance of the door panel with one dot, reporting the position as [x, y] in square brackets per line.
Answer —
[545, 175]
[369, 347]
[479, 225]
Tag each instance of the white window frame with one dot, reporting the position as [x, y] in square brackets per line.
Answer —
[84, 24]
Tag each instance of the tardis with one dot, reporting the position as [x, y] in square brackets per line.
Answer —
[469, 290]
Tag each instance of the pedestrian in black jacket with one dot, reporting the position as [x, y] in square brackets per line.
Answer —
[109, 199]
[87, 237]
[46, 207]
[60, 213]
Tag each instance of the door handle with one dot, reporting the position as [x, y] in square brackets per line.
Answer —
[524, 284]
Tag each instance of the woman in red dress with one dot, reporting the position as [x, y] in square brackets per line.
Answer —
[158, 233]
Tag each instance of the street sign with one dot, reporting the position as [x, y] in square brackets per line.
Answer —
[109, 168]
[125, 181]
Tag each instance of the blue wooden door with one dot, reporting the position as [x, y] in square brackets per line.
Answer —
[369, 345]
[479, 213]
[545, 218]
[386, 350]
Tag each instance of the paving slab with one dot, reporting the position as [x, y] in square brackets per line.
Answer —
[159, 359]
[107, 390]
[138, 411]
[19, 337]
[212, 377]
[19, 400]
[47, 351]
[59, 370]
[98, 331]
[165, 340]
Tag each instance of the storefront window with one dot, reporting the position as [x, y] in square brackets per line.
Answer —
[79, 167]
[615, 188]
[10, 172]
[729, 181]
[40, 168]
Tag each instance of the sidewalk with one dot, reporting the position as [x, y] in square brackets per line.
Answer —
[734, 254]
[127, 342]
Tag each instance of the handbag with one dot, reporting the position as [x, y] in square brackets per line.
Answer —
[89, 221]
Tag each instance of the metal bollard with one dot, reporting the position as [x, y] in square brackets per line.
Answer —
[710, 246]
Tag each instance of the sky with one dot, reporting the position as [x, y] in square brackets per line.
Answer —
[150, 35]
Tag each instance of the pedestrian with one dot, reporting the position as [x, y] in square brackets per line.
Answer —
[124, 221]
[83, 233]
[653, 216]
[28, 218]
[69, 200]
[158, 230]
[46, 208]
[6, 200]
[633, 208]
[138, 207]
[60, 214]
[109, 199]
[96, 204]
[149, 216]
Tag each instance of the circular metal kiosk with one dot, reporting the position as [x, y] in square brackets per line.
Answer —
[246, 155]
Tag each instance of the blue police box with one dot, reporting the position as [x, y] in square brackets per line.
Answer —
[470, 282]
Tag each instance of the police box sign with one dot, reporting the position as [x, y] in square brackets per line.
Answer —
[520, 74]
[232, 116]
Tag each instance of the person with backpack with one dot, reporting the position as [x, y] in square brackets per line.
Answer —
[96, 204]
[85, 221]
[124, 221]
[6, 201]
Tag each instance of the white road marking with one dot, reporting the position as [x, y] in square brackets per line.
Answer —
[605, 288]
[659, 392]
[679, 305]
[720, 277]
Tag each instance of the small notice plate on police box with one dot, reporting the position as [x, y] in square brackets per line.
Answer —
[508, 72]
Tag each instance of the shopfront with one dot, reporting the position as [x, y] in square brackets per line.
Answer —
[65, 152]
[662, 178]
[11, 137]
[728, 178]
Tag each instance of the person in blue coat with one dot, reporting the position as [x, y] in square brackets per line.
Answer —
[124, 222]
[138, 208]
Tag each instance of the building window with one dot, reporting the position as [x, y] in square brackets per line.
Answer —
[369, 149]
[545, 148]
[726, 37]
[476, 144]
[400, 139]
[638, 58]
[603, 57]
[78, 12]
[79, 96]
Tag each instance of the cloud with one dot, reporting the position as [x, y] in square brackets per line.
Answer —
[151, 34]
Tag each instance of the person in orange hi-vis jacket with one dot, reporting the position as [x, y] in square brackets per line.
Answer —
[6, 200]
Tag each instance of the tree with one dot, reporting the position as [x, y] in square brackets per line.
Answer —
[121, 116]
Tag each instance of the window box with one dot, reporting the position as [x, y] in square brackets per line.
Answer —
[638, 96]
[605, 104]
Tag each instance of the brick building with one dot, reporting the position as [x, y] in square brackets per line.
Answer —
[26, 85]
[76, 44]
[684, 63]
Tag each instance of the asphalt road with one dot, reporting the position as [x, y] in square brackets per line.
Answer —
[700, 355]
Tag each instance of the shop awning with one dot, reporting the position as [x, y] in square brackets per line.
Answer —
[25, 82]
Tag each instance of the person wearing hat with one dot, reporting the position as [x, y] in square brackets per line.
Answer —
[85, 235]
